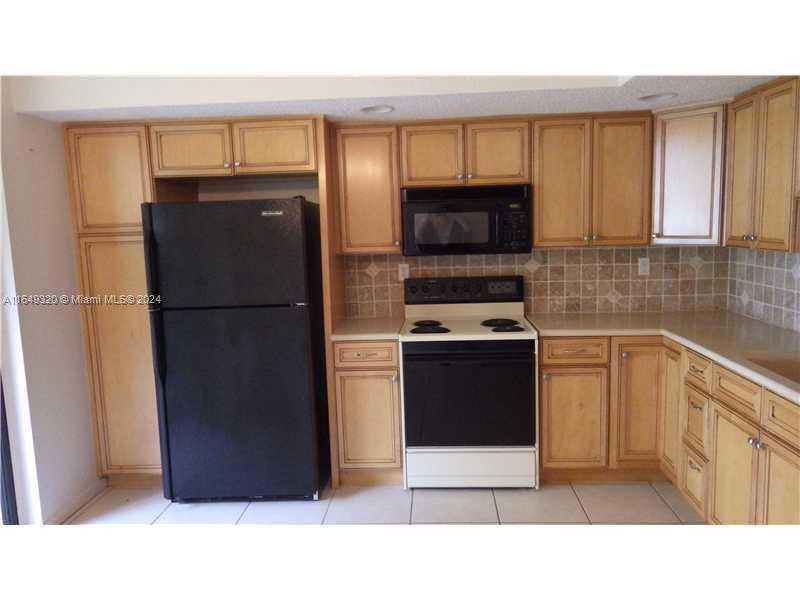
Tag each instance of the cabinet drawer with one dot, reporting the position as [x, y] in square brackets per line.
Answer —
[694, 479]
[739, 393]
[781, 418]
[576, 351]
[695, 421]
[365, 354]
[698, 371]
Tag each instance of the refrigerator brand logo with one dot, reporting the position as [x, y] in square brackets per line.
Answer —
[271, 213]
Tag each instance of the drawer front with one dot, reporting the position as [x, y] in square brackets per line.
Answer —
[739, 393]
[695, 423]
[781, 418]
[698, 371]
[575, 351]
[694, 479]
[365, 354]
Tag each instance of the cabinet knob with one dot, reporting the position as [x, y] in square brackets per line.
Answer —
[226, 165]
[654, 235]
[751, 441]
[595, 237]
[394, 378]
[396, 243]
[624, 355]
[546, 376]
[459, 176]
[760, 445]
[586, 238]
[469, 175]
[237, 164]
[753, 238]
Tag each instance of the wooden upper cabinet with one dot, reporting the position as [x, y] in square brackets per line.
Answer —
[562, 183]
[120, 358]
[734, 468]
[574, 416]
[369, 188]
[432, 155]
[779, 484]
[775, 173]
[109, 177]
[498, 153]
[274, 147]
[635, 396]
[687, 176]
[621, 174]
[740, 185]
[669, 439]
[191, 150]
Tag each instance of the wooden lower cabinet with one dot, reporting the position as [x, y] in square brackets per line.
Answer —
[669, 444]
[635, 396]
[734, 468]
[368, 419]
[693, 479]
[779, 483]
[119, 356]
[574, 405]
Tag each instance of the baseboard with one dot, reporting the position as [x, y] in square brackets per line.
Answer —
[370, 476]
[90, 492]
[135, 480]
[601, 475]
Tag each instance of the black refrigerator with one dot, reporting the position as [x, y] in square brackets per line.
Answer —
[238, 348]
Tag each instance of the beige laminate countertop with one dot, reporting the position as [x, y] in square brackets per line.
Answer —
[387, 328]
[725, 337]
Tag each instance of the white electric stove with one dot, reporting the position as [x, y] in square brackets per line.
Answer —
[469, 384]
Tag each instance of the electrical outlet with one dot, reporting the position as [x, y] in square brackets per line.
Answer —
[644, 266]
[402, 271]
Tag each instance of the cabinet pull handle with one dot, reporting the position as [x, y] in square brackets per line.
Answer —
[772, 412]
[697, 370]
[573, 350]
[372, 354]
[695, 406]
[693, 466]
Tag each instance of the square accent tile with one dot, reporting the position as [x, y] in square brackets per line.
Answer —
[121, 506]
[375, 504]
[202, 513]
[454, 506]
[623, 503]
[288, 512]
[550, 504]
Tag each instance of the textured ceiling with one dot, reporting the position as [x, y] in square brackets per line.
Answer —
[595, 99]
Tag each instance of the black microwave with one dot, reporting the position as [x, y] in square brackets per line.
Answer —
[467, 220]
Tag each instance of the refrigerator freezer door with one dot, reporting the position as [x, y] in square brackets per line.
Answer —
[238, 403]
[237, 253]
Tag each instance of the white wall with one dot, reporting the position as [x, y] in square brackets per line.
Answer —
[41, 256]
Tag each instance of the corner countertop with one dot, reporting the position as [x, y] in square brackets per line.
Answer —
[386, 328]
[727, 338]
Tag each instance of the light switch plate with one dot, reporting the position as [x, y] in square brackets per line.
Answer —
[402, 271]
[644, 266]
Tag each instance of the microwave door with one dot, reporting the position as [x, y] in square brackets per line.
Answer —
[450, 229]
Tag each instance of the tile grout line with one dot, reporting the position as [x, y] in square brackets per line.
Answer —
[328, 507]
[70, 520]
[664, 500]
[153, 522]
[249, 502]
[496, 510]
[411, 512]
[577, 496]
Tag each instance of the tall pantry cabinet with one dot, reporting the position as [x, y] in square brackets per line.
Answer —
[109, 178]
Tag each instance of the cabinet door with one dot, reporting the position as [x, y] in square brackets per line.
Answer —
[687, 181]
[274, 147]
[562, 182]
[432, 154]
[635, 391]
[621, 174]
[498, 153]
[368, 413]
[740, 184]
[191, 150]
[779, 483]
[734, 468]
[574, 417]
[669, 422]
[776, 154]
[369, 189]
[109, 177]
[120, 359]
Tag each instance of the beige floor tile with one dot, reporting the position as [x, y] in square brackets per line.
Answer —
[202, 513]
[550, 504]
[453, 506]
[679, 505]
[288, 512]
[123, 507]
[370, 504]
[623, 503]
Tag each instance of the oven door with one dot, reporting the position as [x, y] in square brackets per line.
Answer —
[449, 228]
[469, 393]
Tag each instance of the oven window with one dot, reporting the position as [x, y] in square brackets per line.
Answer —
[443, 228]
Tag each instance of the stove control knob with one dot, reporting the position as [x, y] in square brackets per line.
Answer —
[425, 289]
[413, 289]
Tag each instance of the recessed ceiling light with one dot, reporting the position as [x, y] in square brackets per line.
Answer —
[377, 109]
[658, 97]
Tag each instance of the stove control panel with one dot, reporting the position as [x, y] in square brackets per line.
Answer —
[457, 290]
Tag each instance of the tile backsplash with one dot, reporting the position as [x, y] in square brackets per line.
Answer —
[559, 280]
[765, 285]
